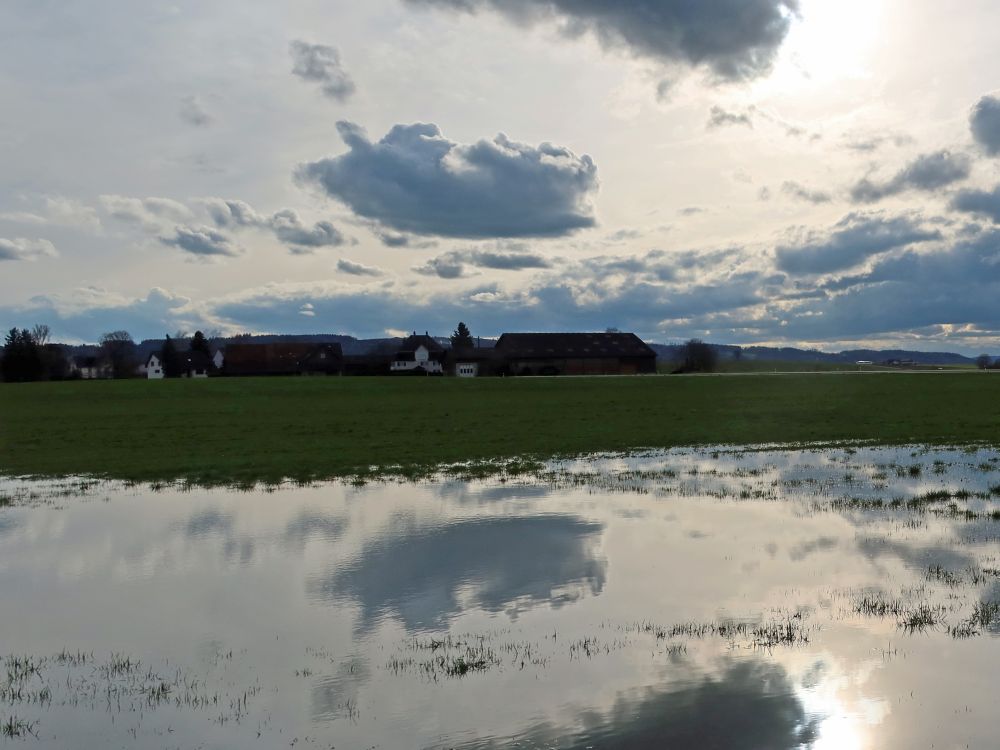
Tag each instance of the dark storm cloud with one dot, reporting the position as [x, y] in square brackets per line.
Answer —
[357, 269]
[853, 240]
[718, 118]
[984, 122]
[319, 63]
[979, 202]
[416, 180]
[202, 241]
[927, 173]
[802, 193]
[734, 39]
[288, 228]
[457, 263]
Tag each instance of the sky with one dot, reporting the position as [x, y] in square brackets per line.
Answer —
[816, 173]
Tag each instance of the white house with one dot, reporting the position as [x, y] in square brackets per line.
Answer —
[466, 369]
[218, 359]
[419, 354]
[154, 367]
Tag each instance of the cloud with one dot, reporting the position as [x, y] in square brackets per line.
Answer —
[88, 312]
[456, 263]
[872, 142]
[228, 214]
[853, 240]
[400, 575]
[149, 213]
[202, 241]
[927, 173]
[416, 180]
[391, 239]
[58, 210]
[954, 286]
[801, 192]
[718, 118]
[980, 202]
[357, 269]
[21, 248]
[193, 112]
[318, 63]
[288, 228]
[758, 700]
[984, 121]
[286, 224]
[733, 39]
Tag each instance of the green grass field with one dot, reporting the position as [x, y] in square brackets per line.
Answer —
[246, 430]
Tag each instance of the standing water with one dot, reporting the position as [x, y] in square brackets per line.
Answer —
[826, 598]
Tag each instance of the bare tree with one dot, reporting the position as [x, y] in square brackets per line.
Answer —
[698, 357]
[41, 334]
[119, 349]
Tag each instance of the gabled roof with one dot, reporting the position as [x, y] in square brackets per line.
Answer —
[572, 345]
[410, 343]
[272, 359]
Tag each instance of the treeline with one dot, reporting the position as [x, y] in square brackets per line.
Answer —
[28, 355]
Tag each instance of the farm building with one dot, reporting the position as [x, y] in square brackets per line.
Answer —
[89, 368]
[574, 354]
[470, 362]
[419, 355]
[189, 364]
[283, 359]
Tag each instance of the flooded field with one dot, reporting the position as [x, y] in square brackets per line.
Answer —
[826, 598]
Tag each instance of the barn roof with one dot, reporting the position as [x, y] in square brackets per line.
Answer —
[572, 345]
[271, 359]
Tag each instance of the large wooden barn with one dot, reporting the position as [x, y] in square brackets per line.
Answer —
[574, 354]
[283, 359]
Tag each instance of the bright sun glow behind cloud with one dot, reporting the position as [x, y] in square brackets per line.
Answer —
[832, 41]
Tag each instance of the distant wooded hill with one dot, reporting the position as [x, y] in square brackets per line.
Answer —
[666, 352]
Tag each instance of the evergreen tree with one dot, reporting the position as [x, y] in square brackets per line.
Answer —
[462, 337]
[22, 359]
[168, 356]
[200, 344]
